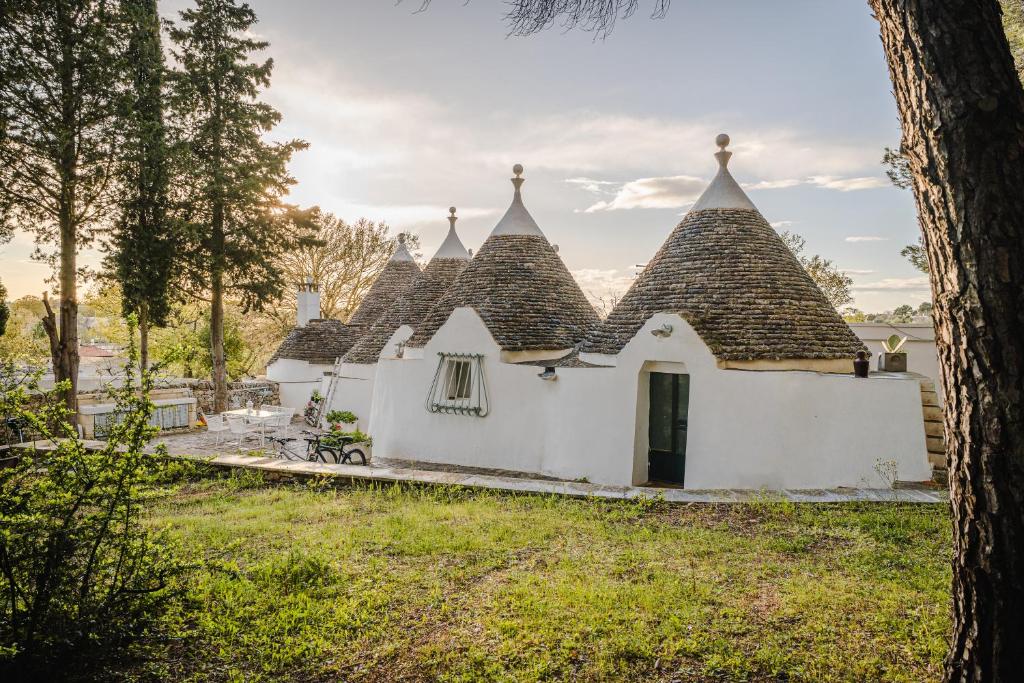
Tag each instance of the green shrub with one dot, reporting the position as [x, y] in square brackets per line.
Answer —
[79, 572]
[337, 417]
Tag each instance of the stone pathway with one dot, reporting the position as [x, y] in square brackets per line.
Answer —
[201, 447]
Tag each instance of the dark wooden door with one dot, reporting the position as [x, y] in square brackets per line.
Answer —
[670, 402]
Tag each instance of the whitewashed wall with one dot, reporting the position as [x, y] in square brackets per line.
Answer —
[922, 356]
[746, 429]
[297, 380]
[354, 392]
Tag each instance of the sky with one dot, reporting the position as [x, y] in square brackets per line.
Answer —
[408, 112]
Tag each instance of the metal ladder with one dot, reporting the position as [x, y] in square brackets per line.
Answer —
[328, 399]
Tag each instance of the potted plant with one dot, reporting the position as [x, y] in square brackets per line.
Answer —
[893, 359]
[342, 420]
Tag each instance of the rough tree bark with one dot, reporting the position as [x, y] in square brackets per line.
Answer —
[962, 112]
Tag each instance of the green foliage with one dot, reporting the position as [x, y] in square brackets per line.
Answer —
[916, 254]
[833, 283]
[5, 311]
[453, 584]
[24, 338]
[340, 416]
[237, 227]
[80, 573]
[336, 437]
[143, 246]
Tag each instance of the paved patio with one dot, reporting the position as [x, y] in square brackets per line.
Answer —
[201, 446]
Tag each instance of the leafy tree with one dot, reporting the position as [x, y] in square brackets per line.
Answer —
[916, 254]
[345, 260]
[24, 339]
[238, 226]
[80, 572]
[961, 108]
[58, 121]
[143, 246]
[5, 311]
[833, 283]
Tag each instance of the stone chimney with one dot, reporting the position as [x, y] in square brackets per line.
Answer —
[308, 302]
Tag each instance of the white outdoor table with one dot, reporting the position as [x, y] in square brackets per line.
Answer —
[255, 416]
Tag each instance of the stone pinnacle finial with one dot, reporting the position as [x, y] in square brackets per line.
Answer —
[401, 238]
[723, 155]
[452, 217]
[519, 179]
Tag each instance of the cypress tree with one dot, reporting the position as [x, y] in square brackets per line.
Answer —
[143, 246]
[237, 225]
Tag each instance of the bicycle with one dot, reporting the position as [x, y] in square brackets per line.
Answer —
[316, 450]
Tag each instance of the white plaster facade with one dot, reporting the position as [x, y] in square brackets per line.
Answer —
[297, 380]
[922, 355]
[748, 429]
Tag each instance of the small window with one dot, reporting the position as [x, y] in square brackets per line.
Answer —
[458, 375]
[458, 386]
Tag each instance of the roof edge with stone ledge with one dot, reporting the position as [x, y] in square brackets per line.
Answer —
[726, 271]
[319, 342]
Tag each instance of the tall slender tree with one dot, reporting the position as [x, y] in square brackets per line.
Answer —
[144, 243]
[961, 107]
[238, 225]
[58, 118]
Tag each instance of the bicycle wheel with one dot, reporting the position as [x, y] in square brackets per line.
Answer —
[323, 451]
[348, 455]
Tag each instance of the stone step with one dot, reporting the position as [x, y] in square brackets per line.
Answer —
[932, 413]
[933, 428]
[936, 459]
[940, 475]
[930, 398]
[936, 444]
[927, 384]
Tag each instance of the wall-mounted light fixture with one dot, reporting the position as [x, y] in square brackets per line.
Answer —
[663, 331]
[548, 374]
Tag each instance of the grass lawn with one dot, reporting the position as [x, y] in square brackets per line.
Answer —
[383, 584]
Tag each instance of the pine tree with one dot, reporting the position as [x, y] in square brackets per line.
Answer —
[238, 226]
[58, 122]
[143, 246]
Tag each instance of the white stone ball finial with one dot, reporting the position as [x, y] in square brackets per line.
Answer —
[518, 170]
[722, 141]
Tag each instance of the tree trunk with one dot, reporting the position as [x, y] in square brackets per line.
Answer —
[220, 381]
[962, 112]
[143, 336]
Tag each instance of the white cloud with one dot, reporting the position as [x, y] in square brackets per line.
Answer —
[829, 182]
[781, 224]
[855, 271]
[892, 284]
[593, 186]
[773, 184]
[847, 184]
[654, 193]
[866, 238]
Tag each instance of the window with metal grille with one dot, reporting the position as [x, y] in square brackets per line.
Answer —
[459, 386]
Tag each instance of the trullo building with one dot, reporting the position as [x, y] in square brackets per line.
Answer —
[722, 367]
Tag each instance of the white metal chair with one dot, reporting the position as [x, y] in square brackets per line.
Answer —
[281, 420]
[215, 424]
[243, 429]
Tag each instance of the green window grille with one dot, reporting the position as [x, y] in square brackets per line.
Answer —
[459, 387]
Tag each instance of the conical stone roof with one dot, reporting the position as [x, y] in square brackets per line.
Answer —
[394, 281]
[320, 342]
[519, 287]
[442, 270]
[726, 271]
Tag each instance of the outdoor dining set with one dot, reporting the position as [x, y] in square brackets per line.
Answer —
[250, 423]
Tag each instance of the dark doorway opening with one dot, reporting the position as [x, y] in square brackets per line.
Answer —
[670, 402]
